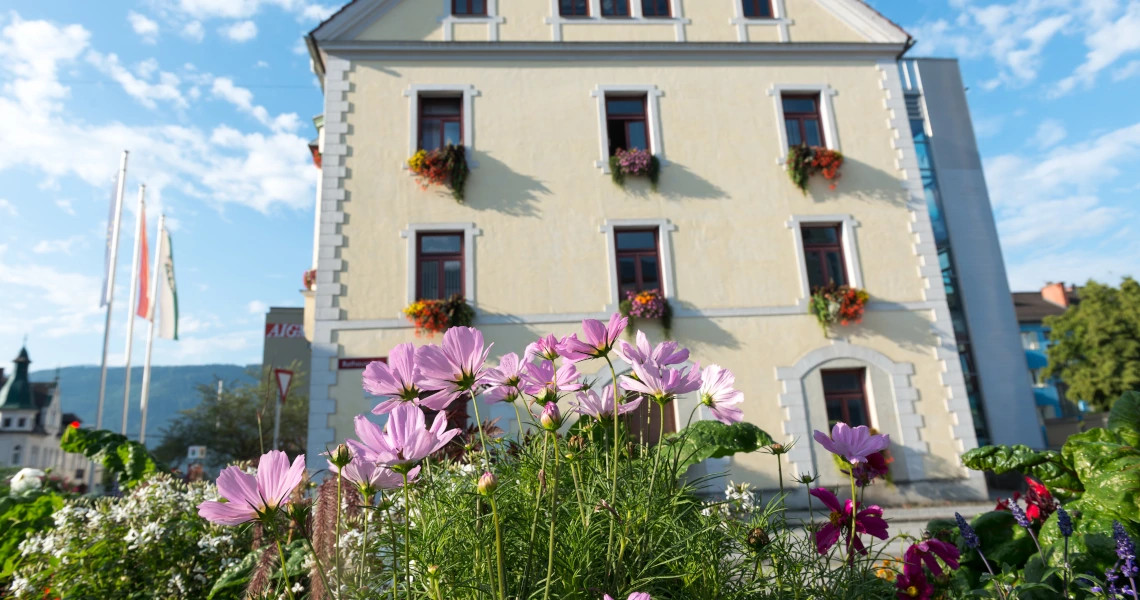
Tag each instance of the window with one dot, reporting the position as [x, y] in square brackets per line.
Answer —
[844, 392]
[1037, 379]
[7, 422]
[656, 8]
[638, 260]
[21, 422]
[16, 455]
[79, 473]
[441, 122]
[439, 263]
[823, 255]
[1029, 340]
[757, 9]
[626, 123]
[35, 456]
[802, 120]
[615, 8]
[469, 7]
[574, 8]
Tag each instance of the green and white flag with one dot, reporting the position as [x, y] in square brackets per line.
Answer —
[167, 291]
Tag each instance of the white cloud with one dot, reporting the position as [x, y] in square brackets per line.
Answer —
[261, 64]
[1049, 133]
[1106, 44]
[257, 307]
[8, 207]
[242, 98]
[32, 52]
[139, 87]
[66, 303]
[65, 206]
[242, 31]
[144, 27]
[1127, 71]
[194, 31]
[244, 9]
[63, 246]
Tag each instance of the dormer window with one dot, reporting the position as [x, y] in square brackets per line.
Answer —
[757, 9]
[615, 8]
[574, 8]
[469, 8]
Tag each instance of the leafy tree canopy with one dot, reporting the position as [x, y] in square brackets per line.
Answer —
[1096, 349]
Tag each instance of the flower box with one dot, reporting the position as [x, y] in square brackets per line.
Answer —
[309, 280]
[638, 163]
[650, 304]
[446, 166]
[838, 304]
[436, 316]
[806, 161]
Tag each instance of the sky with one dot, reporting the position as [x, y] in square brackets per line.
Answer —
[214, 99]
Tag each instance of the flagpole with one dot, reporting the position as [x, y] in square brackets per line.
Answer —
[110, 291]
[153, 295]
[277, 412]
[131, 307]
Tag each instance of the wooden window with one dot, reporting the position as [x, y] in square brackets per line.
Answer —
[758, 9]
[574, 8]
[802, 120]
[845, 393]
[823, 255]
[656, 8]
[638, 260]
[441, 122]
[469, 8]
[626, 123]
[439, 265]
[615, 8]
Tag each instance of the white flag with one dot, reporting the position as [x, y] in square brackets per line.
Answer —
[167, 291]
[106, 295]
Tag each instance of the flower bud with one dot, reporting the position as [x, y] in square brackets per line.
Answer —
[487, 483]
[758, 539]
[340, 457]
[551, 418]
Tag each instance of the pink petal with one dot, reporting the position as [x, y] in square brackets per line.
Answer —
[226, 513]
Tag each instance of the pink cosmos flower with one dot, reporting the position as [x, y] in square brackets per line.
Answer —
[633, 596]
[665, 354]
[602, 408]
[405, 439]
[662, 383]
[249, 497]
[543, 381]
[854, 444]
[925, 552]
[505, 379]
[551, 417]
[545, 348]
[454, 367]
[368, 475]
[913, 585]
[395, 381]
[868, 521]
[716, 393]
[599, 339]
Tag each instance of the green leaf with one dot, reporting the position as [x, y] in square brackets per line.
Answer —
[1048, 466]
[712, 439]
[236, 575]
[1091, 547]
[128, 461]
[1124, 418]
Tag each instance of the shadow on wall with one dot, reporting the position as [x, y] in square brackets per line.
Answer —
[861, 181]
[676, 183]
[907, 328]
[495, 186]
[693, 330]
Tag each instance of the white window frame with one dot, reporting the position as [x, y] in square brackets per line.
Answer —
[469, 230]
[779, 20]
[468, 93]
[652, 116]
[826, 113]
[664, 251]
[492, 19]
[1034, 341]
[848, 241]
[636, 17]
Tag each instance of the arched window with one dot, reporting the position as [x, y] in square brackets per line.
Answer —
[16, 455]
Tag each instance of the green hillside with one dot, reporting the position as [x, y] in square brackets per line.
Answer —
[172, 389]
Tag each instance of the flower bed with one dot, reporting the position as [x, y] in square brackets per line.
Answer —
[838, 305]
[634, 163]
[436, 316]
[446, 166]
[648, 304]
[803, 162]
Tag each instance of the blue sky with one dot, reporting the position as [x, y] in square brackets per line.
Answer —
[214, 99]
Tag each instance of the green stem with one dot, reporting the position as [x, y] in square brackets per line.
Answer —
[499, 549]
[518, 417]
[525, 589]
[407, 537]
[392, 550]
[578, 494]
[320, 567]
[1065, 571]
[780, 474]
[364, 542]
[657, 452]
[613, 489]
[336, 546]
[482, 438]
[553, 519]
[854, 511]
[284, 567]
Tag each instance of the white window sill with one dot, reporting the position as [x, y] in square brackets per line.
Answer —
[761, 21]
[617, 21]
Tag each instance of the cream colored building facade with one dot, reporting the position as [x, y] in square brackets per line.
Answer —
[539, 221]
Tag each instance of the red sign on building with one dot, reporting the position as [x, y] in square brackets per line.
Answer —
[284, 330]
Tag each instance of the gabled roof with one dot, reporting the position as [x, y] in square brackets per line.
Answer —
[1032, 308]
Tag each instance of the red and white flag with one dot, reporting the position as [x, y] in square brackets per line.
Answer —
[144, 308]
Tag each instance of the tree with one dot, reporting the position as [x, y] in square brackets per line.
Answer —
[1096, 349]
[227, 423]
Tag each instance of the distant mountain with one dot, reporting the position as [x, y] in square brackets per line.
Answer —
[172, 389]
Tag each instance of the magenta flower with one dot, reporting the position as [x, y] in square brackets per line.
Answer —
[505, 380]
[251, 497]
[405, 439]
[551, 417]
[665, 354]
[913, 585]
[662, 383]
[854, 444]
[370, 476]
[716, 393]
[544, 382]
[925, 552]
[599, 339]
[868, 521]
[454, 367]
[602, 408]
[545, 348]
[633, 596]
[396, 381]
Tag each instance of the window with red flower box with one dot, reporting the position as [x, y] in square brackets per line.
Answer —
[638, 260]
[802, 119]
[440, 122]
[439, 265]
[823, 255]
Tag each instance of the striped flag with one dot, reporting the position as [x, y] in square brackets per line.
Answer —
[105, 298]
[144, 262]
[167, 291]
